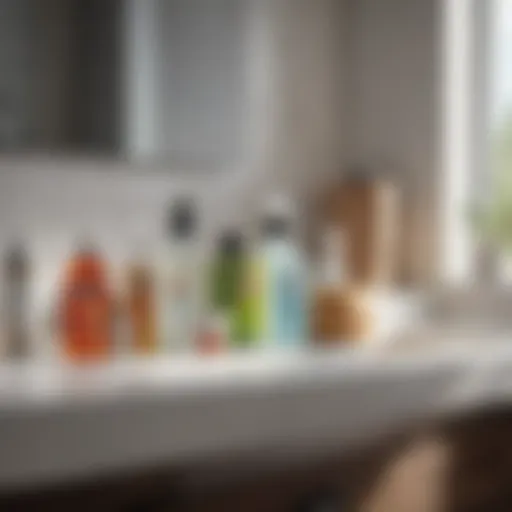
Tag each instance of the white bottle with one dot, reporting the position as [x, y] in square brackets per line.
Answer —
[179, 280]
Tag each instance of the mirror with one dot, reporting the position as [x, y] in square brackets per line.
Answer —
[137, 79]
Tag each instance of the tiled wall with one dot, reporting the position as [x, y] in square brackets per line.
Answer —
[51, 206]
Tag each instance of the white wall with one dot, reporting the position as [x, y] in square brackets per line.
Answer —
[394, 93]
[298, 129]
[203, 77]
[186, 79]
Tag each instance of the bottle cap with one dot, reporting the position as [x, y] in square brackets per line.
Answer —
[279, 206]
[273, 226]
[86, 246]
[231, 242]
[16, 259]
[182, 218]
[278, 213]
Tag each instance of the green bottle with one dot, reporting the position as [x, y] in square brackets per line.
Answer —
[227, 282]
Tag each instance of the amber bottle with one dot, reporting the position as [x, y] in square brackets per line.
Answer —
[141, 309]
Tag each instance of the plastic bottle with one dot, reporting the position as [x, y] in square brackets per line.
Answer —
[180, 280]
[228, 269]
[16, 302]
[141, 309]
[86, 309]
[283, 309]
[138, 322]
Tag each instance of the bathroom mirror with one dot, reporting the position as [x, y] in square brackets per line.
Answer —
[140, 80]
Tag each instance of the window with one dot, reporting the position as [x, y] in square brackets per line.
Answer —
[477, 161]
[492, 127]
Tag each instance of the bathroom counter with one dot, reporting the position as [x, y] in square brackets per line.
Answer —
[59, 422]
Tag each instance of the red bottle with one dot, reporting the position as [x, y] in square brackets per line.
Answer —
[86, 308]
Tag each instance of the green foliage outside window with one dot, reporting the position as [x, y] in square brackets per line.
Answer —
[493, 220]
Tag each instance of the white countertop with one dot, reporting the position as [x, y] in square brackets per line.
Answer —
[59, 422]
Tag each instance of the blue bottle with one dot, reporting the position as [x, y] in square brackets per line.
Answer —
[284, 290]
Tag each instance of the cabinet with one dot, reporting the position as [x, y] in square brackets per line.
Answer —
[458, 465]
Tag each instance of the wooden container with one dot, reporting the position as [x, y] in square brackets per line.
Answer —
[367, 211]
[342, 316]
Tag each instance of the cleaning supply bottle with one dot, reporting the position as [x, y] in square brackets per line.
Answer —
[16, 303]
[227, 274]
[283, 288]
[180, 280]
[86, 308]
[252, 313]
[141, 309]
[138, 322]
